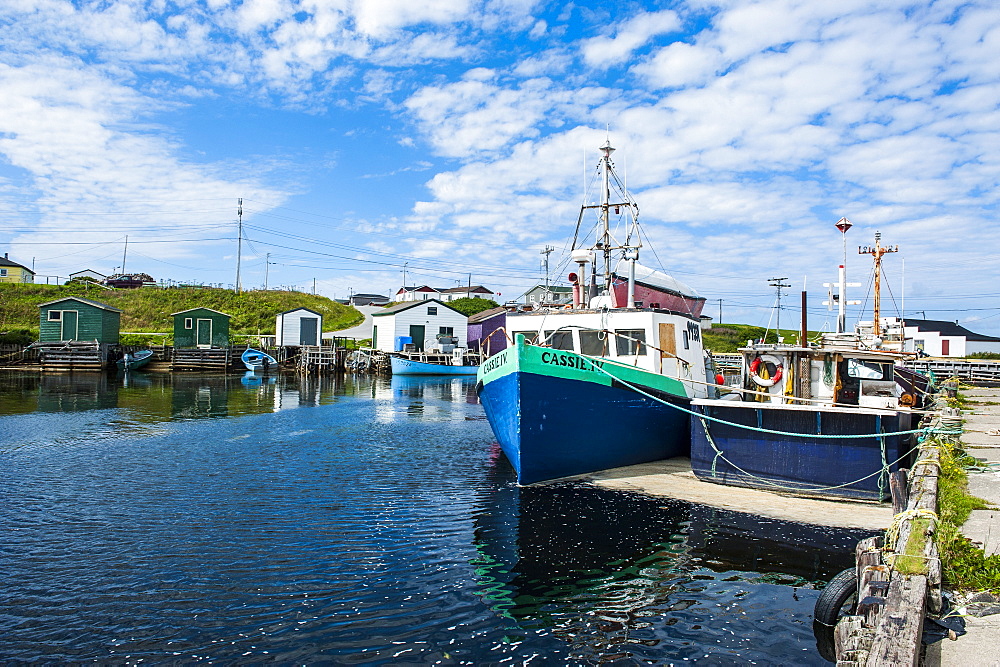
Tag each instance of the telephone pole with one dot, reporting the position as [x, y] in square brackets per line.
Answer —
[239, 241]
[779, 285]
[548, 251]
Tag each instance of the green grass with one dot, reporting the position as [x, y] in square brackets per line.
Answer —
[729, 338]
[149, 309]
[965, 566]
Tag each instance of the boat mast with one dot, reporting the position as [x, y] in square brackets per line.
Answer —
[605, 236]
[877, 253]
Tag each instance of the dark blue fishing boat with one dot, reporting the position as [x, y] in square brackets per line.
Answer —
[133, 360]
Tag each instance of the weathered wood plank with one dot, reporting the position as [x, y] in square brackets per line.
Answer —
[897, 486]
[897, 637]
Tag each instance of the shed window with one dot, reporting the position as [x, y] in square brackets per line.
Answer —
[432, 310]
[3, 273]
[55, 315]
[188, 323]
[630, 342]
[446, 331]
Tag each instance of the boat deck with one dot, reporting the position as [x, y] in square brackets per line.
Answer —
[672, 478]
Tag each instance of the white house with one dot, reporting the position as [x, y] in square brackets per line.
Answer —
[946, 339]
[421, 321]
[425, 292]
[299, 327]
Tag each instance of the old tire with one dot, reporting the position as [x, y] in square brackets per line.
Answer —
[836, 596]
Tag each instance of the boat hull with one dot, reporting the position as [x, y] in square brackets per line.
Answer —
[735, 456]
[136, 361]
[255, 360]
[556, 415]
[403, 366]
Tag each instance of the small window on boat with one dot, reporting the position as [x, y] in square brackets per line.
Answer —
[55, 315]
[559, 340]
[529, 336]
[188, 323]
[869, 370]
[432, 310]
[684, 339]
[630, 342]
[594, 343]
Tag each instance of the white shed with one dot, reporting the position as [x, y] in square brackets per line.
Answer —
[420, 321]
[299, 327]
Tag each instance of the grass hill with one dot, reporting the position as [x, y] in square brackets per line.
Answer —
[148, 309]
[728, 338]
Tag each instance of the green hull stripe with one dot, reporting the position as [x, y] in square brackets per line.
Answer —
[571, 366]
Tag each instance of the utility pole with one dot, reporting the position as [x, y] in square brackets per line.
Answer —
[547, 251]
[720, 311]
[779, 285]
[468, 293]
[267, 267]
[239, 241]
[125, 254]
[314, 287]
[404, 280]
[877, 253]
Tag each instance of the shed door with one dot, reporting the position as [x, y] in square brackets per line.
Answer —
[70, 325]
[307, 331]
[417, 334]
[203, 337]
[945, 346]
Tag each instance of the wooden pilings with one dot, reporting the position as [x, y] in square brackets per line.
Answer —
[899, 578]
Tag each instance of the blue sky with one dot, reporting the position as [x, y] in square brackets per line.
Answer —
[451, 137]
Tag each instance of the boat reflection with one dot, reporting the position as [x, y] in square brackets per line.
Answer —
[623, 558]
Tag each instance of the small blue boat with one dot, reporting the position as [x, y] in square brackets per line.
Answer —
[134, 360]
[406, 366]
[255, 360]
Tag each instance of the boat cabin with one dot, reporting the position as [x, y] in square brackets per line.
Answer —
[830, 374]
[660, 341]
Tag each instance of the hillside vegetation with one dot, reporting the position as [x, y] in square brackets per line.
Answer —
[728, 338]
[149, 309]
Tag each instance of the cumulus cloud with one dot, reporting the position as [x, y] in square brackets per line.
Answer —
[632, 34]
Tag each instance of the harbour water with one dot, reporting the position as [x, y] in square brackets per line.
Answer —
[359, 520]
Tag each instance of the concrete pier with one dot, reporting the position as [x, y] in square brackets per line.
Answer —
[981, 643]
[672, 478]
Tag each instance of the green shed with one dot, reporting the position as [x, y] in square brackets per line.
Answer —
[201, 327]
[73, 318]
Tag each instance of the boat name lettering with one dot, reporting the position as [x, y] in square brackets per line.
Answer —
[494, 362]
[569, 361]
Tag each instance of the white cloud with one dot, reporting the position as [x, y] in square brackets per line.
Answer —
[629, 36]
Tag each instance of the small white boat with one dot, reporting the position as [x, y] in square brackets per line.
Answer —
[255, 360]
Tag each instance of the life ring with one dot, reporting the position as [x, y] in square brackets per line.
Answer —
[755, 365]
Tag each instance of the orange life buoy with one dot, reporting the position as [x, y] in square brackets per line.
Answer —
[755, 366]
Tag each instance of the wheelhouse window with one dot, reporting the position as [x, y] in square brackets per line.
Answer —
[594, 343]
[55, 315]
[630, 342]
[559, 340]
[529, 336]
[869, 370]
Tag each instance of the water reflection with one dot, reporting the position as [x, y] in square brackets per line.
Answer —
[197, 396]
[595, 566]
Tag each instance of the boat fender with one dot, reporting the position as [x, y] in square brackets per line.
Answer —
[755, 366]
[835, 599]
[720, 379]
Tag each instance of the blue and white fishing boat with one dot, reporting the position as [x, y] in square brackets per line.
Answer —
[407, 365]
[598, 384]
[255, 360]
